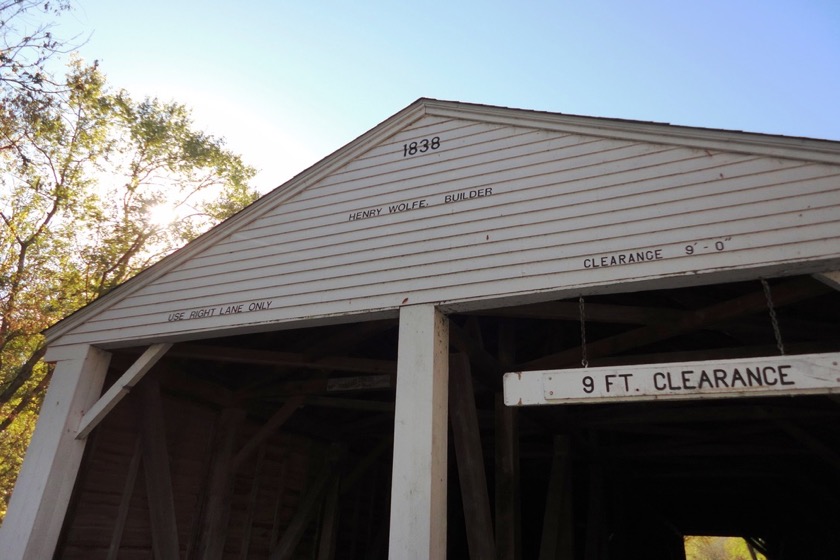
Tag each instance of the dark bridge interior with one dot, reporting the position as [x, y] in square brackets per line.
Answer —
[278, 444]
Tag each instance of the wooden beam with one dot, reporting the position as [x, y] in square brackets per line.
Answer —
[470, 460]
[595, 313]
[329, 523]
[508, 501]
[125, 501]
[350, 404]
[595, 514]
[485, 366]
[42, 493]
[120, 388]
[216, 510]
[366, 462]
[266, 431]
[418, 487]
[158, 475]
[831, 279]
[827, 453]
[557, 532]
[245, 546]
[322, 386]
[508, 497]
[783, 294]
[285, 359]
[306, 511]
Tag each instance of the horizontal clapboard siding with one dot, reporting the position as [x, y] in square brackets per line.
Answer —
[552, 202]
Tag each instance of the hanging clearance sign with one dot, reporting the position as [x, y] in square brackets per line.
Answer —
[767, 376]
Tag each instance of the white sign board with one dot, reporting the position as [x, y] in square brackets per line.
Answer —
[766, 376]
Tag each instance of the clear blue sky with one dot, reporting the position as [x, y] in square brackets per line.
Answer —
[288, 82]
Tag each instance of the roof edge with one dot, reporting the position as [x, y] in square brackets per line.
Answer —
[808, 149]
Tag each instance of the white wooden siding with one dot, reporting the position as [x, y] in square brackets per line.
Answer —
[557, 199]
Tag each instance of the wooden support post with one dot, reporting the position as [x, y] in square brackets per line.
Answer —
[595, 517]
[158, 476]
[557, 534]
[329, 524]
[508, 501]
[125, 501]
[418, 487]
[211, 543]
[470, 459]
[39, 503]
[252, 504]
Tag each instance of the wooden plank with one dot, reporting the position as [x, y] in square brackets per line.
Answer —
[42, 493]
[266, 431]
[159, 494]
[216, 511]
[418, 491]
[470, 459]
[125, 500]
[329, 523]
[557, 532]
[121, 388]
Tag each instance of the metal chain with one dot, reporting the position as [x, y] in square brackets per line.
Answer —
[773, 319]
[583, 360]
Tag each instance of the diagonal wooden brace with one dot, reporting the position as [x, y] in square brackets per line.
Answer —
[120, 389]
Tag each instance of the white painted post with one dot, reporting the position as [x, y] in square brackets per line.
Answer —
[418, 488]
[42, 492]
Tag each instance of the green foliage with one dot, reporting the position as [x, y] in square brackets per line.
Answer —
[94, 186]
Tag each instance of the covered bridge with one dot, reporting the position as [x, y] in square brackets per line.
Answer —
[321, 376]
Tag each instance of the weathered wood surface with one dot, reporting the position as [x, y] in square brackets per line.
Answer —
[219, 492]
[470, 460]
[516, 193]
[418, 490]
[125, 501]
[164, 522]
[42, 493]
[557, 530]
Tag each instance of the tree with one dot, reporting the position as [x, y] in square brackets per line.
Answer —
[26, 45]
[97, 186]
